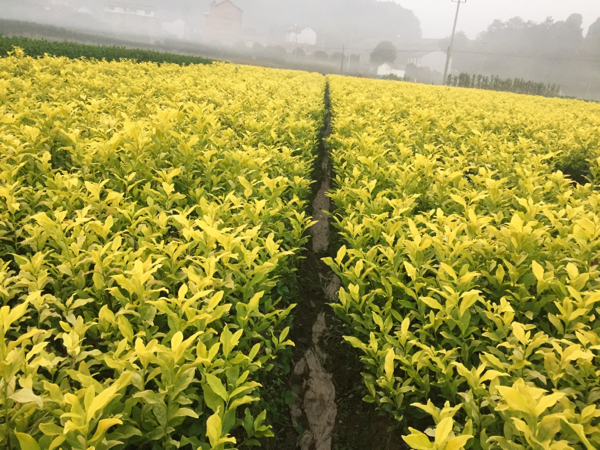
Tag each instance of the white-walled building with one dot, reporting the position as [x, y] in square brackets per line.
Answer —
[176, 28]
[132, 17]
[131, 9]
[390, 69]
[305, 38]
[53, 5]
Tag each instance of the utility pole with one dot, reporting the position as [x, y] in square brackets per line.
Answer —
[350, 53]
[449, 54]
[342, 68]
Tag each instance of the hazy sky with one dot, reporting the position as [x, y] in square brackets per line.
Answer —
[437, 16]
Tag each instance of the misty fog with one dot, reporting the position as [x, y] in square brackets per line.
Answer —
[357, 37]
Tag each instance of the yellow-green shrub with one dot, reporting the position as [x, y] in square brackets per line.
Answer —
[470, 274]
[146, 216]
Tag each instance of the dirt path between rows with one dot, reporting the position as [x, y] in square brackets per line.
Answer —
[327, 411]
[314, 404]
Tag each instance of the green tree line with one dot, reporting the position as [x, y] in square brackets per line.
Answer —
[495, 83]
[552, 52]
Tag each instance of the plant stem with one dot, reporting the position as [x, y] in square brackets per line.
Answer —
[6, 414]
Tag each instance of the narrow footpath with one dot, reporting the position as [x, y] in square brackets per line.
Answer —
[314, 408]
[327, 388]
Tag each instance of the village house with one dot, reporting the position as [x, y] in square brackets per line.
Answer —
[223, 23]
[132, 17]
[390, 69]
[305, 38]
[177, 28]
[55, 5]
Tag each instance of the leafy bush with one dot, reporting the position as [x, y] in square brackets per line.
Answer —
[470, 266]
[37, 48]
[576, 165]
[146, 215]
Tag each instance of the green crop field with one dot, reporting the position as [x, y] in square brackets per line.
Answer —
[154, 214]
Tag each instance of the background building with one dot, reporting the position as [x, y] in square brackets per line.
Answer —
[223, 23]
[177, 28]
[305, 38]
[132, 17]
[390, 69]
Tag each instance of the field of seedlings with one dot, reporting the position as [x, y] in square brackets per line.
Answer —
[147, 215]
[470, 264]
[153, 219]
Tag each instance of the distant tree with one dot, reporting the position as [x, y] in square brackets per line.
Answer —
[592, 39]
[546, 52]
[384, 52]
[461, 42]
[241, 46]
[412, 71]
[594, 31]
[257, 48]
[337, 57]
[298, 53]
[575, 21]
[276, 52]
[320, 55]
